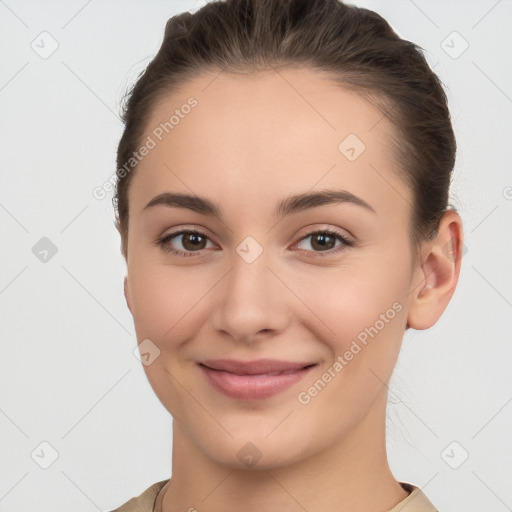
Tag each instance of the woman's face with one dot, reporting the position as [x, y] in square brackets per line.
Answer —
[269, 274]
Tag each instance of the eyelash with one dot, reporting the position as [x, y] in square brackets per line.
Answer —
[163, 242]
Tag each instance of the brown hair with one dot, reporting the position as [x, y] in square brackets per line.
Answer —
[355, 46]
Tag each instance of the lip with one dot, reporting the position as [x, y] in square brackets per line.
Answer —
[254, 380]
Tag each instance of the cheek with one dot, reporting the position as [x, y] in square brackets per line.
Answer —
[366, 315]
[163, 300]
[166, 304]
[355, 301]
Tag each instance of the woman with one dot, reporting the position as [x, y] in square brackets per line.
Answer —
[282, 201]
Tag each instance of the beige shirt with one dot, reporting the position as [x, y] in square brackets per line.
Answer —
[145, 502]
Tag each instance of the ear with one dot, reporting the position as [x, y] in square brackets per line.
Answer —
[437, 277]
[127, 294]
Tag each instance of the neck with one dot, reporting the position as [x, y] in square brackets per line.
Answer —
[351, 475]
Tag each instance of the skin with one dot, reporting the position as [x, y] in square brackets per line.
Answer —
[249, 143]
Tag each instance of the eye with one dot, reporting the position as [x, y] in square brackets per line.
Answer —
[324, 241]
[192, 242]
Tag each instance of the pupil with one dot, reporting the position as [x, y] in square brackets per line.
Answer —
[323, 240]
[192, 241]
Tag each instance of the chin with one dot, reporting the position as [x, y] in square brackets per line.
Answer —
[253, 450]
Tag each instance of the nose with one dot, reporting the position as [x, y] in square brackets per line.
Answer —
[251, 302]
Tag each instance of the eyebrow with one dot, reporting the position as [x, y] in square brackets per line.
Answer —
[288, 206]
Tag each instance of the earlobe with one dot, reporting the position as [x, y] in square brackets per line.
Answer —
[127, 293]
[439, 273]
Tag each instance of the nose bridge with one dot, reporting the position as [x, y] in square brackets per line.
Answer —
[251, 299]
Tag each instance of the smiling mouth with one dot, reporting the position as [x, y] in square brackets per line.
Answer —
[257, 374]
[253, 380]
[256, 366]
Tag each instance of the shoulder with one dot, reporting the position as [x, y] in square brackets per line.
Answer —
[415, 502]
[145, 501]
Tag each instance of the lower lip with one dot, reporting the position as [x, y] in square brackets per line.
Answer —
[252, 387]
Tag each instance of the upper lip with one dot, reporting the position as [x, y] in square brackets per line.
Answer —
[255, 367]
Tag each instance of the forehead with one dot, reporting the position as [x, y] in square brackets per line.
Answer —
[268, 134]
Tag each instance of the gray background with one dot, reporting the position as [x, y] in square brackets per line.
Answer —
[68, 374]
